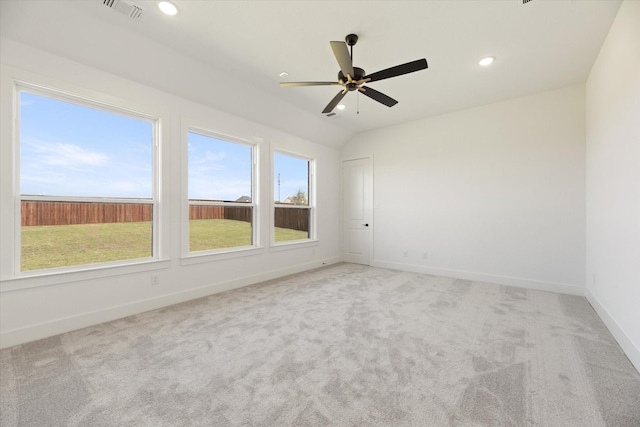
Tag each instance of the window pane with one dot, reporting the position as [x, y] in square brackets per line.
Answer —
[61, 234]
[291, 176]
[291, 187]
[219, 170]
[219, 227]
[291, 224]
[72, 150]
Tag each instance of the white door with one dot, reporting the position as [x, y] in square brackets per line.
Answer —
[357, 202]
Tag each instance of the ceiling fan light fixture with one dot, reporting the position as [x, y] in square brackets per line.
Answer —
[485, 62]
[168, 8]
[341, 107]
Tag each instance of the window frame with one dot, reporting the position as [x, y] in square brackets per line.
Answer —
[189, 257]
[92, 101]
[311, 207]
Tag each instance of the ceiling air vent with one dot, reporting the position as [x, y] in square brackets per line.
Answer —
[124, 7]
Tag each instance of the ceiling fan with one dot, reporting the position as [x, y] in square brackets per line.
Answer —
[353, 78]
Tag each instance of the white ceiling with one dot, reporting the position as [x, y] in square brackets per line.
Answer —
[240, 47]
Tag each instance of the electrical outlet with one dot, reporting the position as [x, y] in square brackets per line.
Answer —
[425, 255]
[405, 254]
[155, 279]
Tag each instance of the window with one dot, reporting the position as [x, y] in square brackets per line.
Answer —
[87, 182]
[293, 209]
[221, 191]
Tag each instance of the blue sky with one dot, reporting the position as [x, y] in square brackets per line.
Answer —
[221, 170]
[72, 150]
[218, 170]
[69, 150]
[294, 174]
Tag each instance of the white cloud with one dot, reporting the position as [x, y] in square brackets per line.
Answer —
[229, 189]
[122, 187]
[214, 157]
[209, 157]
[71, 156]
[64, 169]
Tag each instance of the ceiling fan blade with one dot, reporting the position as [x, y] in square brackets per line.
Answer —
[398, 70]
[295, 84]
[341, 52]
[330, 106]
[378, 96]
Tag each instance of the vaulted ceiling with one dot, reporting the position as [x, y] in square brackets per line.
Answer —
[230, 54]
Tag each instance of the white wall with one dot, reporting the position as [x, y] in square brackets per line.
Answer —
[613, 181]
[494, 193]
[36, 307]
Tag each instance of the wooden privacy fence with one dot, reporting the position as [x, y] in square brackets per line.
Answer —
[292, 218]
[69, 213]
[236, 213]
[206, 212]
[66, 213]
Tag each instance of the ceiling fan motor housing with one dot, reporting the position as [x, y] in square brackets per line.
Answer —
[358, 75]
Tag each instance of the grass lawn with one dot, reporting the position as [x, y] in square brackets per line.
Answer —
[66, 245]
[206, 234]
[286, 234]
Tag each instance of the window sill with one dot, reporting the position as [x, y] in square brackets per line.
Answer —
[294, 244]
[209, 256]
[49, 277]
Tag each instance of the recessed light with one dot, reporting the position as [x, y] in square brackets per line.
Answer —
[168, 8]
[486, 61]
[284, 74]
[341, 107]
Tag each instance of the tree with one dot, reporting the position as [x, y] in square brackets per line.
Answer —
[300, 198]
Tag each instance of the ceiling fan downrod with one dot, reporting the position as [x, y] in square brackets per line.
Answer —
[351, 40]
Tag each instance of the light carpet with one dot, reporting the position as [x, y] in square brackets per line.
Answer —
[345, 345]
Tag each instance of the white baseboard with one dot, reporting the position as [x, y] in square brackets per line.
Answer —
[23, 335]
[632, 352]
[488, 278]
